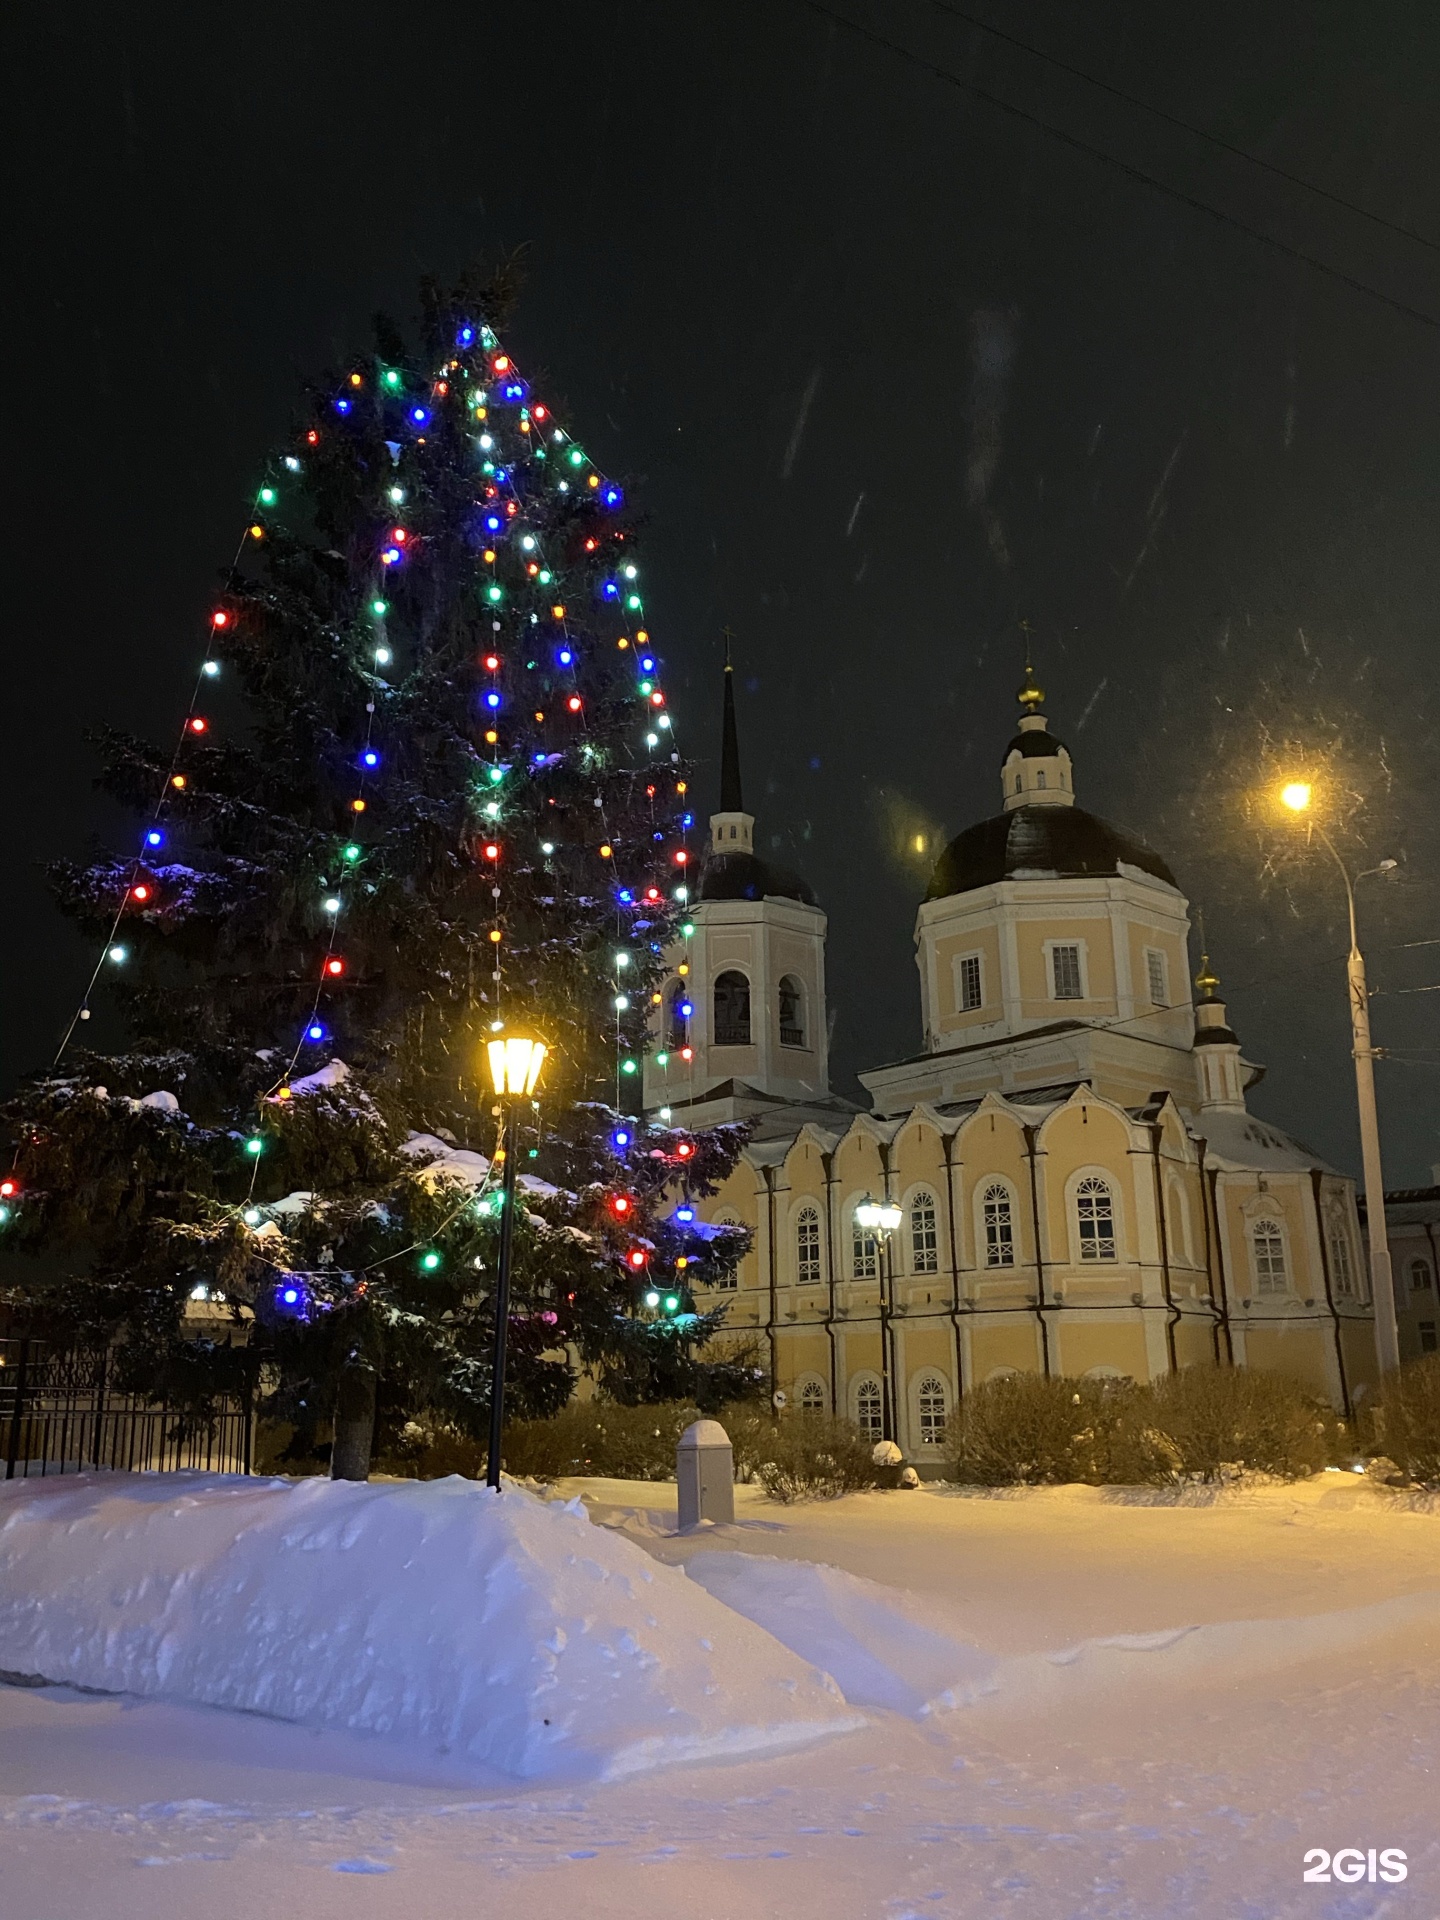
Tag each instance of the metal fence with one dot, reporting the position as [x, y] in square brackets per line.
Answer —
[59, 1414]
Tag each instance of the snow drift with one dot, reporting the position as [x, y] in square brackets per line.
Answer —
[506, 1632]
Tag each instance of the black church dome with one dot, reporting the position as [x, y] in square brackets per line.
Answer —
[1039, 842]
[745, 876]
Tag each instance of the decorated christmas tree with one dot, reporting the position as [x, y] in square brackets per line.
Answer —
[426, 792]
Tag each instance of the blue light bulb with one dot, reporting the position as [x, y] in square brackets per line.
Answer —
[315, 1031]
[370, 758]
[612, 496]
[342, 406]
[685, 1213]
[154, 838]
[566, 656]
[492, 699]
[419, 416]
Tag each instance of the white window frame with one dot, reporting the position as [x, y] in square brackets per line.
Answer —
[1157, 963]
[812, 1389]
[1263, 1282]
[928, 1196]
[958, 966]
[728, 1282]
[861, 1236]
[1427, 1285]
[921, 1390]
[1081, 966]
[808, 1208]
[983, 1194]
[871, 1385]
[1080, 1186]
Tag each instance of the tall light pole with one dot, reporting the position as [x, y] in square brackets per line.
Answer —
[1297, 796]
[515, 1064]
[880, 1218]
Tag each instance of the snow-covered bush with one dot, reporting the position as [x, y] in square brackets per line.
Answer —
[805, 1457]
[1198, 1424]
[1405, 1425]
[602, 1438]
[1218, 1418]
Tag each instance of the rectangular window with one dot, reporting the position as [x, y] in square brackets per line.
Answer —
[807, 1248]
[1065, 973]
[1341, 1270]
[1155, 978]
[999, 1228]
[1269, 1247]
[1427, 1336]
[865, 1254]
[924, 1235]
[968, 991]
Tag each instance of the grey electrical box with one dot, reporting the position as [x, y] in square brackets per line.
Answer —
[705, 1469]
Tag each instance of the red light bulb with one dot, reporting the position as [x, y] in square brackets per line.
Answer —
[492, 850]
[492, 663]
[197, 724]
[574, 703]
[219, 619]
[334, 967]
[142, 892]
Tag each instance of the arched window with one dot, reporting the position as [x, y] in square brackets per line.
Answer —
[932, 1407]
[732, 1010]
[729, 1280]
[1179, 1223]
[924, 1234]
[1342, 1267]
[678, 1009]
[1267, 1245]
[1040, 781]
[792, 1012]
[869, 1408]
[1019, 782]
[1421, 1278]
[1095, 1217]
[807, 1247]
[999, 1225]
[864, 1251]
[811, 1399]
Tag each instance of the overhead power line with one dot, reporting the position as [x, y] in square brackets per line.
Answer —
[1187, 126]
[1122, 166]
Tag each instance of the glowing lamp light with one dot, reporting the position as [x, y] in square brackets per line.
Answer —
[606, 851]
[612, 497]
[565, 656]
[663, 1060]
[628, 1066]
[356, 381]
[681, 858]
[315, 1032]
[492, 700]
[178, 781]
[685, 1009]
[312, 438]
[350, 853]
[685, 1214]
[379, 608]
[219, 619]
[430, 1260]
[1296, 795]
[154, 838]
[211, 669]
[254, 1146]
[252, 1216]
[9, 1188]
[684, 1150]
[547, 847]
[390, 557]
[574, 703]
[334, 967]
[198, 724]
[877, 1216]
[636, 1258]
[687, 1053]
[652, 1299]
[621, 1205]
[357, 806]
[652, 894]
[492, 662]
[118, 955]
[140, 892]
[419, 416]
[383, 656]
[515, 1063]
[266, 496]
[501, 363]
[392, 379]
[657, 699]
[494, 595]
[672, 1302]
[620, 1139]
[370, 758]
[290, 1296]
[491, 850]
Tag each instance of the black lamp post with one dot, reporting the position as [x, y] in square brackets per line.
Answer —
[515, 1064]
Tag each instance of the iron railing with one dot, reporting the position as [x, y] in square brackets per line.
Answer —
[59, 1413]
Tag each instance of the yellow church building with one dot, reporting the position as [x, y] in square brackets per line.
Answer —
[1064, 1179]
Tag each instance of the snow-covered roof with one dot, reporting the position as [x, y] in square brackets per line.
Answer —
[1240, 1141]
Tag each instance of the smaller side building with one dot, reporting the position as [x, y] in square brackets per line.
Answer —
[1412, 1224]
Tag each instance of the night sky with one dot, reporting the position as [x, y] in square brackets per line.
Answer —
[890, 369]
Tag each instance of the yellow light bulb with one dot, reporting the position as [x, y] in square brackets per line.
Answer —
[1296, 795]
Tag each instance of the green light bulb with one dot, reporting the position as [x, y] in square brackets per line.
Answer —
[431, 1260]
[352, 852]
[672, 1301]
[545, 576]
[494, 594]
[267, 496]
[254, 1145]
[577, 458]
[688, 929]
[379, 608]
[497, 774]
[392, 379]
[662, 1059]
[627, 1066]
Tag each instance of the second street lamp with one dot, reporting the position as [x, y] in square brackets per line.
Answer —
[1297, 796]
[515, 1063]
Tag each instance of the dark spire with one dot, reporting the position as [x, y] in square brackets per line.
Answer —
[731, 800]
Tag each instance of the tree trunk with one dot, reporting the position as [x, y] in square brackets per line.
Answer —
[354, 1423]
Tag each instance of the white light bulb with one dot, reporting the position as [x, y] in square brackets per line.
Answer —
[492, 810]
[652, 739]
[663, 721]
[332, 905]
[252, 1216]
[528, 543]
[547, 846]
[682, 893]
[382, 656]
[397, 495]
[622, 959]
[486, 441]
[211, 668]
[119, 955]
[621, 1003]
[664, 1113]
[630, 573]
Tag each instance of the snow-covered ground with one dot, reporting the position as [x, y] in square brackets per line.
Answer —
[1270, 1686]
